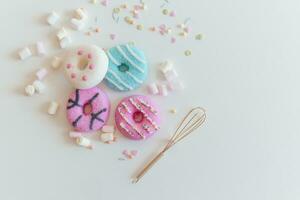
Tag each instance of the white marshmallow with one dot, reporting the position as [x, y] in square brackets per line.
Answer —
[40, 48]
[39, 86]
[107, 137]
[166, 66]
[74, 134]
[108, 129]
[77, 24]
[152, 88]
[175, 85]
[61, 33]
[82, 141]
[25, 53]
[41, 73]
[52, 18]
[53, 107]
[163, 90]
[170, 75]
[80, 13]
[65, 42]
[29, 90]
[56, 62]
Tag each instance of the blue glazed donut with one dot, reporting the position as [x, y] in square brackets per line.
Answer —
[127, 68]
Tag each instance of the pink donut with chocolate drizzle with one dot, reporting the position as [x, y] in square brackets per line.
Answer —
[88, 110]
[137, 117]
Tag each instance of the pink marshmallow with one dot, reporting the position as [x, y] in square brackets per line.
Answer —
[108, 129]
[163, 89]
[112, 36]
[175, 85]
[41, 73]
[74, 134]
[152, 88]
[170, 75]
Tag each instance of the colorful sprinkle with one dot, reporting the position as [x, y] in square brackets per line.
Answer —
[139, 27]
[199, 36]
[173, 40]
[104, 3]
[187, 53]
[116, 10]
[73, 75]
[165, 11]
[172, 13]
[112, 36]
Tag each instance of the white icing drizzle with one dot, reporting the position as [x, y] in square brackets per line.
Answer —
[114, 83]
[123, 126]
[146, 128]
[134, 77]
[113, 59]
[129, 123]
[134, 54]
[126, 107]
[147, 105]
[145, 114]
[128, 59]
[119, 79]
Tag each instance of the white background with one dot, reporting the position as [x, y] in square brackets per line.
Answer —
[245, 73]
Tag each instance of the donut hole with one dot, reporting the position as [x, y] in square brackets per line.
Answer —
[83, 63]
[138, 117]
[123, 68]
[87, 109]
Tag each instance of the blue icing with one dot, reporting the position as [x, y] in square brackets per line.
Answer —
[127, 68]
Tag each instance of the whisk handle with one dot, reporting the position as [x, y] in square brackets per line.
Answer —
[147, 167]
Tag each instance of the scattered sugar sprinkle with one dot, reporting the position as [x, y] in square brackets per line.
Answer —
[112, 36]
[165, 11]
[199, 36]
[173, 110]
[187, 53]
[139, 27]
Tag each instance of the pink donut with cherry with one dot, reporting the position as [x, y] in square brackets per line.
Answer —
[137, 117]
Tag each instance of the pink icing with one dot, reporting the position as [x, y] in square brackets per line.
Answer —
[88, 109]
[137, 117]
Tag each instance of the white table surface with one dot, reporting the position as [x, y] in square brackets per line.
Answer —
[245, 72]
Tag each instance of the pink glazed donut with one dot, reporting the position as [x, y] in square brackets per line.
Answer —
[137, 117]
[88, 109]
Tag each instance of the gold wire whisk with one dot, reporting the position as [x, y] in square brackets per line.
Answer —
[194, 119]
